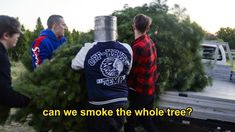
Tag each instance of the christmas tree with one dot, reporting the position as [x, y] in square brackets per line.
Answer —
[53, 86]
[178, 45]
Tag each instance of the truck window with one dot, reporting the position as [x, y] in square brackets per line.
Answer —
[209, 53]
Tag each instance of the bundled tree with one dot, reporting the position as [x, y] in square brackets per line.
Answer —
[53, 86]
[178, 42]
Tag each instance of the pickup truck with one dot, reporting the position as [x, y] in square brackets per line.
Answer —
[214, 106]
[214, 58]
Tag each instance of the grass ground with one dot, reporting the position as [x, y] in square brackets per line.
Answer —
[234, 65]
[16, 127]
[228, 63]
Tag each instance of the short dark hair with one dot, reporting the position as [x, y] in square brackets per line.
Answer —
[142, 22]
[53, 19]
[9, 24]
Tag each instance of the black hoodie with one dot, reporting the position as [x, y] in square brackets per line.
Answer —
[8, 96]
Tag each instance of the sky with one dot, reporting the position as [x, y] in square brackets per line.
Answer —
[211, 15]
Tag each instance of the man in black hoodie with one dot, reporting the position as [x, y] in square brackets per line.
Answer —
[9, 34]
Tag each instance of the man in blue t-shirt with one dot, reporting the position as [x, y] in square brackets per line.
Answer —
[49, 40]
[106, 63]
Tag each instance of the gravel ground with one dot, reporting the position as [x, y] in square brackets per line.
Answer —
[16, 127]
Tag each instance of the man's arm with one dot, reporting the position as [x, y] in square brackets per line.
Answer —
[78, 61]
[8, 96]
[11, 98]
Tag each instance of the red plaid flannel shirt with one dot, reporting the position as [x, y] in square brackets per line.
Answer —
[143, 74]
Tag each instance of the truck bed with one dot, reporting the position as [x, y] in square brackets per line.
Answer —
[216, 102]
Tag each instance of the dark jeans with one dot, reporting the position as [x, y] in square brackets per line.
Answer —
[104, 123]
[138, 102]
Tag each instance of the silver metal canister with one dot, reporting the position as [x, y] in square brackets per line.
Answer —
[105, 28]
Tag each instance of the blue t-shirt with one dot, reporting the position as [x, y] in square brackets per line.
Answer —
[44, 46]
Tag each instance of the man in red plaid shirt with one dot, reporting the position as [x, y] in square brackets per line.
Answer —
[143, 75]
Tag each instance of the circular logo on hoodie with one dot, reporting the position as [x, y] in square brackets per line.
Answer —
[111, 67]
